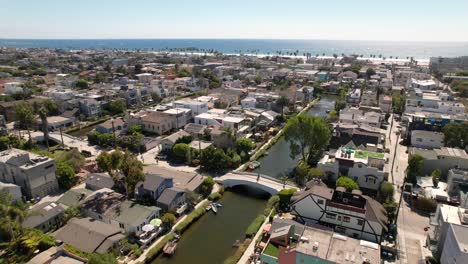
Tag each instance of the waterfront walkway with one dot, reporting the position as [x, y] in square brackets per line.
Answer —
[265, 183]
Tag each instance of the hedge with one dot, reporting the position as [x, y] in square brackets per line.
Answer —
[154, 252]
[255, 225]
[194, 215]
[233, 259]
[214, 196]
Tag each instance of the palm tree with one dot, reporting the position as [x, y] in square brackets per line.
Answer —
[281, 102]
[43, 112]
[283, 178]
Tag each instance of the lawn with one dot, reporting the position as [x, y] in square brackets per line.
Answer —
[363, 154]
[271, 250]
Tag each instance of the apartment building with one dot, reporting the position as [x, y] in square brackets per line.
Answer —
[35, 174]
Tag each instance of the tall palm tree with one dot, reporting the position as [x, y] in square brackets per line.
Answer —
[43, 112]
[281, 102]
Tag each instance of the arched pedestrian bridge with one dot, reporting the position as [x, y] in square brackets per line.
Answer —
[265, 183]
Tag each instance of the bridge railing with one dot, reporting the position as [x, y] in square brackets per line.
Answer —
[261, 175]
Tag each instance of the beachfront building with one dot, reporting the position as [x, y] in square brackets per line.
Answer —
[352, 214]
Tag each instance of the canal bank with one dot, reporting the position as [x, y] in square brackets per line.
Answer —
[211, 238]
[278, 162]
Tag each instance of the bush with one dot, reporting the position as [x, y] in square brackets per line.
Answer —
[386, 191]
[180, 151]
[348, 183]
[285, 196]
[254, 226]
[194, 215]
[207, 186]
[426, 204]
[214, 196]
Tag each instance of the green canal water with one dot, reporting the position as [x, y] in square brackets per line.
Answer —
[278, 162]
[210, 240]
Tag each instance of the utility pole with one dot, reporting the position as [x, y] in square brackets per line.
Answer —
[61, 136]
[113, 131]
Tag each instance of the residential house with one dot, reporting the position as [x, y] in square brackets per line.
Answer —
[347, 77]
[423, 84]
[427, 139]
[112, 208]
[35, 174]
[369, 98]
[385, 103]
[12, 189]
[457, 185]
[353, 214]
[360, 117]
[196, 130]
[97, 181]
[354, 97]
[455, 248]
[294, 243]
[151, 121]
[197, 107]
[153, 186]
[171, 198]
[74, 197]
[44, 216]
[89, 235]
[90, 107]
[55, 255]
[443, 159]
[182, 116]
[116, 126]
[168, 142]
[56, 122]
[367, 168]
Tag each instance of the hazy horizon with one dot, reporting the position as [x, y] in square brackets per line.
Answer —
[366, 20]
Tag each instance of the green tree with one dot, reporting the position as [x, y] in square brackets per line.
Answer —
[138, 68]
[134, 129]
[43, 112]
[456, 135]
[65, 175]
[12, 216]
[333, 116]
[308, 136]
[81, 84]
[214, 159]
[117, 107]
[72, 211]
[436, 177]
[180, 150]
[106, 258]
[390, 206]
[415, 164]
[282, 102]
[315, 173]
[301, 172]
[398, 103]
[244, 145]
[285, 197]
[25, 115]
[168, 220]
[370, 72]
[207, 186]
[386, 191]
[73, 158]
[132, 169]
[51, 107]
[348, 183]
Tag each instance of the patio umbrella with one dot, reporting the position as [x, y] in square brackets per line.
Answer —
[156, 222]
[147, 228]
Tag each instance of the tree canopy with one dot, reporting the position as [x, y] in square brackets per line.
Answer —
[415, 164]
[456, 135]
[348, 183]
[65, 175]
[308, 136]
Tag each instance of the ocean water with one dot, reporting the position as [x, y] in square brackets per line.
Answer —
[417, 50]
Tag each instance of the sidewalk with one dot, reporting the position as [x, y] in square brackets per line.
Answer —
[251, 249]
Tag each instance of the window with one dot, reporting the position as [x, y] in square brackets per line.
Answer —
[360, 222]
[330, 216]
[419, 140]
[121, 225]
[320, 201]
[346, 219]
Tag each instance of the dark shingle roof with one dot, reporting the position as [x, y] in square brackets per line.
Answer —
[43, 213]
[89, 235]
[169, 194]
[96, 181]
[153, 181]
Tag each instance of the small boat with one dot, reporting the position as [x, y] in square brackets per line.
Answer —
[254, 164]
[208, 207]
[213, 207]
[170, 247]
[328, 111]
[218, 204]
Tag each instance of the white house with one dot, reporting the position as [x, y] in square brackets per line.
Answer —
[196, 106]
[248, 102]
[353, 214]
[368, 168]
[13, 87]
[423, 84]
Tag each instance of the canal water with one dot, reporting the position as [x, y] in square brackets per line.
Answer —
[211, 238]
[278, 162]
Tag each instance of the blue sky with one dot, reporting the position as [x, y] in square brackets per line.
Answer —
[413, 20]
